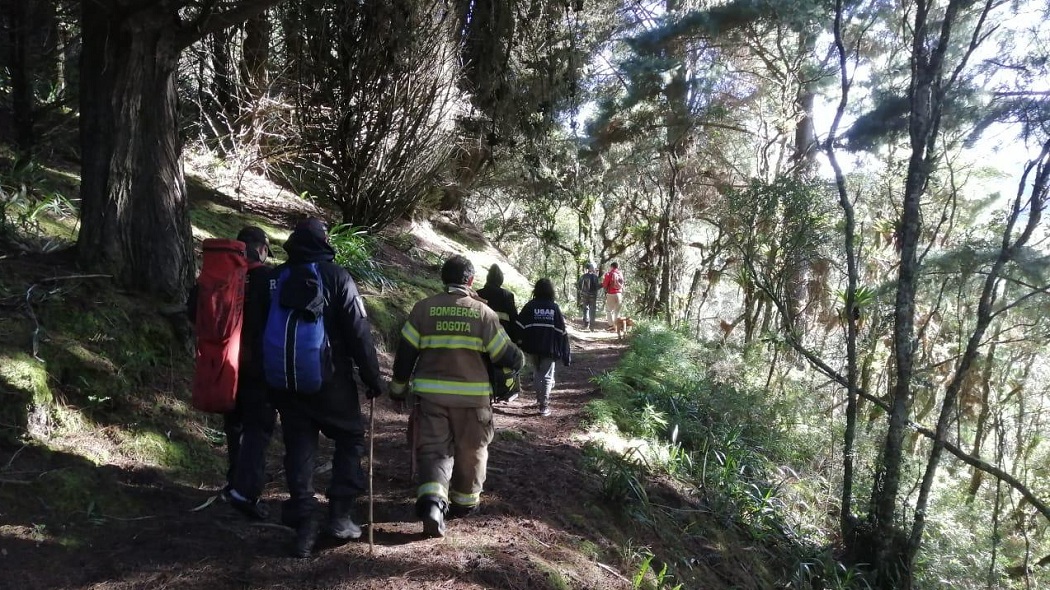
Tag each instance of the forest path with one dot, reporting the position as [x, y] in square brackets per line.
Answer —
[537, 527]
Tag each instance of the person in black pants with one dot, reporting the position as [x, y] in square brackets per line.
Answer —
[335, 410]
[249, 426]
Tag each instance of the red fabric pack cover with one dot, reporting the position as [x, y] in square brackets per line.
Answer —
[220, 316]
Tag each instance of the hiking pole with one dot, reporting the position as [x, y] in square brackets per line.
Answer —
[371, 461]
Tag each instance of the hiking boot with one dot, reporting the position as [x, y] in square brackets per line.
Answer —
[545, 411]
[431, 510]
[253, 509]
[457, 511]
[341, 524]
[306, 536]
[434, 522]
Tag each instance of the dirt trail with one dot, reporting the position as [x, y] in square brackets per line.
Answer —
[536, 528]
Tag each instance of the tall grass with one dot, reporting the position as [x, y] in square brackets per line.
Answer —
[700, 415]
[355, 250]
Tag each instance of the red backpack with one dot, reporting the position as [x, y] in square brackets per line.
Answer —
[219, 318]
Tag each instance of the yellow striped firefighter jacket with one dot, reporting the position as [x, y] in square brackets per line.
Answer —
[446, 346]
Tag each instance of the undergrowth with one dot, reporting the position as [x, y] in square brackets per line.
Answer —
[697, 418]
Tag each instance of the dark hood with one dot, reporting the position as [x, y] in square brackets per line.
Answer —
[308, 244]
[494, 278]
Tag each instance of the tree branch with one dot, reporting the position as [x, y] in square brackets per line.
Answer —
[211, 21]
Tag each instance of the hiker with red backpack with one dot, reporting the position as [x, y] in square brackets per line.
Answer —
[613, 284]
[316, 332]
[226, 307]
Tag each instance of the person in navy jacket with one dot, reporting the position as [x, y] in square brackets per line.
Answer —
[541, 327]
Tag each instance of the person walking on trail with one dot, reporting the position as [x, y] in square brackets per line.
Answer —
[501, 301]
[444, 349]
[505, 384]
[587, 288]
[311, 277]
[544, 339]
[249, 426]
[613, 285]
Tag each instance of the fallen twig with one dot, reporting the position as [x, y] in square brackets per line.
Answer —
[69, 277]
[612, 571]
[15, 481]
[206, 503]
[106, 516]
[272, 525]
[35, 343]
[12, 460]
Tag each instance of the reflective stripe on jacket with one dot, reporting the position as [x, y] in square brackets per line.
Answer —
[444, 347]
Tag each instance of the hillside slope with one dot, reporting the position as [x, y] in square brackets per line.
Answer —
[111, 481]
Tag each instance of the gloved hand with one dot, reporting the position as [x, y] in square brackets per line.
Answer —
[374, 392]
[397, 395]
[398, 390]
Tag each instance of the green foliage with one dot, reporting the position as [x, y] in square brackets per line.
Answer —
[622, 479]
[30, 201]
[695, 414]
[662, 579]
[355, 251]
[824, 571]
[378, 163]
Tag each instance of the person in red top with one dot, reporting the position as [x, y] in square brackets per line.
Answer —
[613, 285]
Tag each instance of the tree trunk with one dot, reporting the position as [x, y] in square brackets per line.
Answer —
[134, 216]
[223, 91]
[255, 79]
[805, 157]
[16, 25]
[984, 415]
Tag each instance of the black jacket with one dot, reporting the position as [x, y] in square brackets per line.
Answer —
[502, 302]
[349, 333]
[543, 331]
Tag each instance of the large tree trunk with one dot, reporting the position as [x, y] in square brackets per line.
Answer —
[16, 24]
[134, 217]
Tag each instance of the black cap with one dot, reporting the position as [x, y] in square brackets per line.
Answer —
[313, 226]
[254, 235]
[457, 270]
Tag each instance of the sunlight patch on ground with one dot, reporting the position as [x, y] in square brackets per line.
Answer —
[633, 448]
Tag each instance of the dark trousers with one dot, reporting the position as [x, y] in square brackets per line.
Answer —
[590, 310]
[301, 425]
[249, 428]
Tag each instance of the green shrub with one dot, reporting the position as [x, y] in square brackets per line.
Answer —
[355, 250]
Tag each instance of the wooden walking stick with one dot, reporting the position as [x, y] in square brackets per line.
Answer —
[371, 461]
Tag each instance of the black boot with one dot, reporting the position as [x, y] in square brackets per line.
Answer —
[459, 511]
[306, 535]
[431, 510]
[341, 523]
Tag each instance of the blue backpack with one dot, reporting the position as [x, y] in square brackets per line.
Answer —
[297, 355]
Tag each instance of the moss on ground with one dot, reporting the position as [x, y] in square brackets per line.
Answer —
[25, 397]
